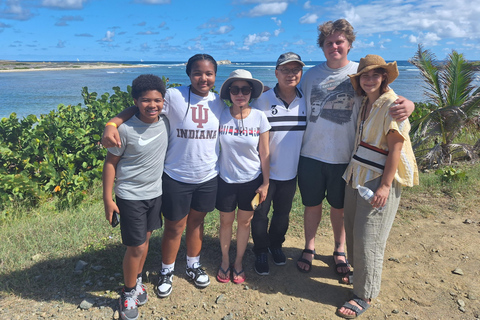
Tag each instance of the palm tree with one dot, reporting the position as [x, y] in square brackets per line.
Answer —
[453, 103]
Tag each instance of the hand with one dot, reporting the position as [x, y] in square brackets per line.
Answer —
[110, 137]
[380, 197]
[110, 207]
[263, 190]
[402, 109]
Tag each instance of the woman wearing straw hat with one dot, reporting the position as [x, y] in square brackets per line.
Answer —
[383, 161]
[244, 166]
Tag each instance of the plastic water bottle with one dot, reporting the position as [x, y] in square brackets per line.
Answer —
[367, 194]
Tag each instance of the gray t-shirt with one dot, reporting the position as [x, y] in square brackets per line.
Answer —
[139, 171]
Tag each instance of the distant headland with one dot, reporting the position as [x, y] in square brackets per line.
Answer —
[19, 66]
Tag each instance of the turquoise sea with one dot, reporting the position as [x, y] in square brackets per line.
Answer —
[38, 92]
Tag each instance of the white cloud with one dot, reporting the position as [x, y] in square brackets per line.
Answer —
[13, 10]
[299, 42]
[307, 5]
[254, 38]
[222, 30]
[109, 36]
[61, 44]
[309, 18]
[428, 39]
[147, 33]
[278, 22]
[64, 4]
[264, 9]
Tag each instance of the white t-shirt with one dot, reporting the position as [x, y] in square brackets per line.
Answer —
[193, 147]
[331, 113]
[286, 134]
[239, 158]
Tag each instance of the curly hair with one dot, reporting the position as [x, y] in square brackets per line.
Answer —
[330, 27]
[198, 57]
[147, 82]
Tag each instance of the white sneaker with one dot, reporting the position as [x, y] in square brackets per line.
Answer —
[164, 286]
[198, 275]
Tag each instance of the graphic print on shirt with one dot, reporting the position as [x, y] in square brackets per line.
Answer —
[231, 130]
[199, 118]
[332, 101]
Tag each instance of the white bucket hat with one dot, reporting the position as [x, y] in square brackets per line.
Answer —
[241, 74]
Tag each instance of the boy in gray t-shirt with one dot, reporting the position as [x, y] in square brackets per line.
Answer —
[136, 168]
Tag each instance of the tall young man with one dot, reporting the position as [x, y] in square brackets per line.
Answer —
[329, 138]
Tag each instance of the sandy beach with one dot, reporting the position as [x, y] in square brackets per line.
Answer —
[20, 66]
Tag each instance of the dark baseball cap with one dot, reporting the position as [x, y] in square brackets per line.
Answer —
[289, 57]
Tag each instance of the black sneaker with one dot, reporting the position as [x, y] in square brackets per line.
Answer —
[141, 291]
[164, 286]
[261, 264]
[278, 256]
[198, 275]
[128, 305]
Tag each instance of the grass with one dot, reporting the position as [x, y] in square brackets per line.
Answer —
[37, 241]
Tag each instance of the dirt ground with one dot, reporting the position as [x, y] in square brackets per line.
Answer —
[431, 271]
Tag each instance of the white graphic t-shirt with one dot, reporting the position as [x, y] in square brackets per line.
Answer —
[239, 158]
[331, 113]
[193, 140]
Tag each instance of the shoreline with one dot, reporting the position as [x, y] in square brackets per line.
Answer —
[16, 66]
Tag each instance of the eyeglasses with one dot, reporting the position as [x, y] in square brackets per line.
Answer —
[287, 71]
[236, 90]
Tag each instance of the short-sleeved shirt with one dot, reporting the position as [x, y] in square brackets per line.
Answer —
[331, 113]
[288, 125]
[193, 141]
[374, 132]
[139, 171]
[239, 139]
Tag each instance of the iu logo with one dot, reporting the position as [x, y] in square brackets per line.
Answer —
[198, 117]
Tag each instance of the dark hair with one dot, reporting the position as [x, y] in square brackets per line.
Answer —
[249, 83]
[383, 85]
[330, 27]
[198, 57]
[147, 82]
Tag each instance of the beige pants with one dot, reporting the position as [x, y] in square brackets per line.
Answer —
[367, 230]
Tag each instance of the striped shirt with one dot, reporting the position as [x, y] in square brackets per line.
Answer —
[288, 125]
[375, 130]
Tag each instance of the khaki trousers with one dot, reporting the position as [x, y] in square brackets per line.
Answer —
[367, 230]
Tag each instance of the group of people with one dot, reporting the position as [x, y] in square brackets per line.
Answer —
[225, 151]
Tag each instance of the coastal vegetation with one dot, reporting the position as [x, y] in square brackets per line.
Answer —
[452, 109]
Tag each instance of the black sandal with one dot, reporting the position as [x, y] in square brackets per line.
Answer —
[302, 259]
[340, 264]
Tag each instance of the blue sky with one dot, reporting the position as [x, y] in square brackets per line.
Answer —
[238, 30]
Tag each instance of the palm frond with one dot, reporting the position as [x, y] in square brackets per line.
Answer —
[457, 76]
[424, 60]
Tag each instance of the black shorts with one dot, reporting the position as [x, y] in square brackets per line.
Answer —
[230, 195]
[180, 197]
[137, 217]
[317, 180]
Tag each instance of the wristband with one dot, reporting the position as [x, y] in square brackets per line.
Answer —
[111, 124]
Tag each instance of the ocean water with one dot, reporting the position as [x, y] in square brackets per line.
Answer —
[39, 92]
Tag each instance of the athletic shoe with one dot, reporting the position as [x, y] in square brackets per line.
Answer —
[128, 305]
[198, 275]
[278, 256]
[261, 264]
[141, 291]
[164, 286]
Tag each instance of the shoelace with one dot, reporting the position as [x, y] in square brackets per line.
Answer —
[262, 258]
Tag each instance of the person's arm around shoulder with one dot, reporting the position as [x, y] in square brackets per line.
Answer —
[264, 151]
[109, 171]
[110, 137]
[395, 144]
[402, 109]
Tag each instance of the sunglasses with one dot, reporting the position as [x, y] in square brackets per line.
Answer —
[287, 71]
[236, 90]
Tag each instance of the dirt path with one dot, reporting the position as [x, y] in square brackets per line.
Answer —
[418, 282]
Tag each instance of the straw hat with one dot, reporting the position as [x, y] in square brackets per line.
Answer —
[240, 74]
[370, 62]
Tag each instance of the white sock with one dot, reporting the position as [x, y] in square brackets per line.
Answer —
[167, 268]
[192, 260]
